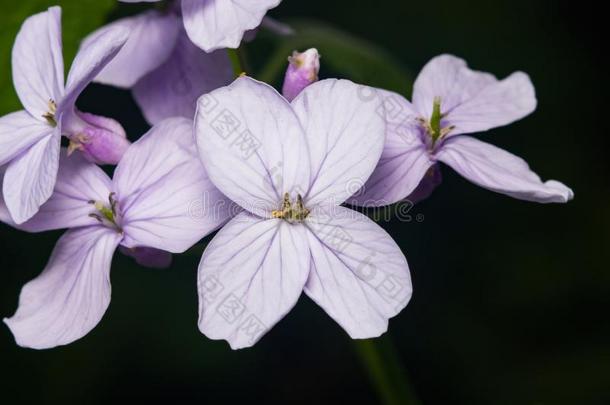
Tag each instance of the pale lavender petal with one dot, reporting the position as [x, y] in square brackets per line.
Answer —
[172, 90]
[90, 60]
[251, 275]
[30, 178]
[78, 183]
[472, 101]
[70, 297]
[497, 170]
[358, 273]
[394, 179]
[449, 78]
[38, 66]
[345, 133]
[252, 145]
[215, 24]
[151, 41]
[19, 131]
[404, 160]
[497, 105]
[165, 197]
[149, 257]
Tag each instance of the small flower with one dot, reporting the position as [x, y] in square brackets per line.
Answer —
[294, 235]
[215, 24]
[450, 100]
[303, 69]
[30, 139]
[165, 71]
[145, 208]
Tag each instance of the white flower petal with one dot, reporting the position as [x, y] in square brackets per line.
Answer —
[71, 295]
[214, 24]
[18, 132]
[90, 60]
[252, 145]
[251, 274]
[358, 273]
[500, 171]
[345, 132]
[151, 40]
[30, 178]
[165, 197]
[38, 65]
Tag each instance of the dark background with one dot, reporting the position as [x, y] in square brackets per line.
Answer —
[511, 299]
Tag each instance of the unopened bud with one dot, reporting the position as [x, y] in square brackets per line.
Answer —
[303, 69]
[101, 140]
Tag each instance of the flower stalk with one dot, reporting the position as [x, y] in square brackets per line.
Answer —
[388, 376]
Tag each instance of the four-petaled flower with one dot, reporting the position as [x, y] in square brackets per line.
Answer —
[293, 234]
[450, 100]
[30, 139]
[147, 205]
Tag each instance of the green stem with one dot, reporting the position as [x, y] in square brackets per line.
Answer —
[387, 374]
[237, 61]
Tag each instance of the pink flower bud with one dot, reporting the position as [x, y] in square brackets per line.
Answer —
[101, 140]
[303, 69]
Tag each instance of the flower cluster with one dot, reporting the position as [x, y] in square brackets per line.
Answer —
[274, 172]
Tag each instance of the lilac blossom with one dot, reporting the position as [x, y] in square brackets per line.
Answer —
[303, 69]
[449, 101]
[216, 24]
[165, 71]
[290, 166]
[145, 209]
[30, 139]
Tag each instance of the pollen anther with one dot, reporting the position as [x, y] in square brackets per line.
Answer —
[290, 212]
[50, 115]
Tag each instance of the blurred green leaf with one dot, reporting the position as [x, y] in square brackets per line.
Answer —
[342, 54]
[80, 17]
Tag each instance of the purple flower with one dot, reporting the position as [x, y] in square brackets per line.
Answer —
[290, 166]
[450, 100]
[303, 69]
[165, 71]
[149, 204]
[215, 24]
[30, 139]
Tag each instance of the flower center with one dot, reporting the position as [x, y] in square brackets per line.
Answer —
[106, 214]
[50, 115]
[433, 126]
[290, 212]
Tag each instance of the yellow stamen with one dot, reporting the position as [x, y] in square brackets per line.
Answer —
[298, 213]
